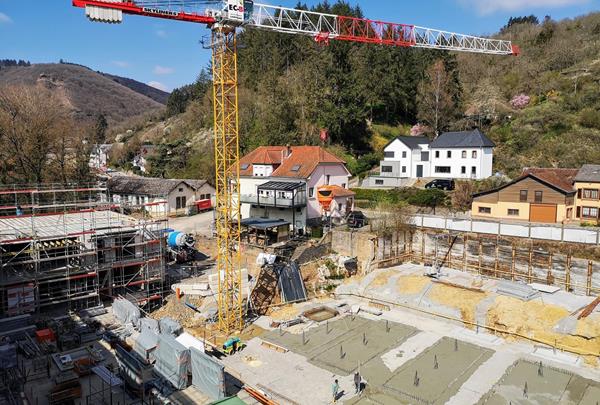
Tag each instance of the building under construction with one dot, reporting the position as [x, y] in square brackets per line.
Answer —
[69, 247]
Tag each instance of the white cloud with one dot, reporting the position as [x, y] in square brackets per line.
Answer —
[4, 19]
[161, 34]
[122, 64]
[163, 70]
[158, 85]
[492, 6]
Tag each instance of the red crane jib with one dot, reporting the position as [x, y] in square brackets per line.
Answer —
[132, 8]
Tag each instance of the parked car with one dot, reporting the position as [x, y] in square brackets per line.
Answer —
[356, 219]
[441, 184]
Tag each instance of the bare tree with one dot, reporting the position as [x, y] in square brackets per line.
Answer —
[436, 98]
[37, 136]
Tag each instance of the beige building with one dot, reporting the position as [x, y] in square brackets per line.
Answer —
[159, 196]
[538, 195]
[587, 186]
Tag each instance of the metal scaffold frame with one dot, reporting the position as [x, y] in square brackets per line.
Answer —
[227, 155]
[54, 250]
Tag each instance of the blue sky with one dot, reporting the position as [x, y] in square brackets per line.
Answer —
[167, 54]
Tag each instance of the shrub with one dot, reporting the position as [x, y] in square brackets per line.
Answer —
[589, 118]
[520, 101]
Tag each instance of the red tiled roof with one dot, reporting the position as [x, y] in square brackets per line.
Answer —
[559, 178]
[301, 163]
[339, 191]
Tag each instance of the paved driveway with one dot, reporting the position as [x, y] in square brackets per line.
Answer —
[198, 224]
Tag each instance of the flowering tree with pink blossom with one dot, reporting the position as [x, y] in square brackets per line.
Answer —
[419, 129]
[520, 101]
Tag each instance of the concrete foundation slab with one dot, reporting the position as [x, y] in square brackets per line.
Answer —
[535, 383]
[437, 374]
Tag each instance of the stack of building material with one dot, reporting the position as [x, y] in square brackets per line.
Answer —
[8, 356]
[149, 324]
[291, 284]
[189, 341]
[170, 326]
[172, 361]
[208, 375]
[125, 311]
[520, 291]
[133, 369]
[17, 325]
[145, 345]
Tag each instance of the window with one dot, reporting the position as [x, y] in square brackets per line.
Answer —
[424, 156]
[404, 154]
[589, 212]
[180, 202]
[311, 192]
[589, 194]
[513, 212]
[379, 182]
[181, 189]
[343, 185]
[523, 195]
[464, 154]
[442, 169]
[539, 196]
[449, 154]
[296, 168]
[474, 170]
[474, 154]
[403, 169]
[389, 155]
[463, 170]
[245, 166]
[386, 169]
[327, 179]
[437, 154]
[299, 210]
[485, 210]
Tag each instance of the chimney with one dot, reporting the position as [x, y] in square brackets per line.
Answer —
[289, 150]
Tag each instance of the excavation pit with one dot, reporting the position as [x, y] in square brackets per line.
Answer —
[527, 382]
[320, 314]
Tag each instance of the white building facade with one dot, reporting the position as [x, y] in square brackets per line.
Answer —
[464, 155]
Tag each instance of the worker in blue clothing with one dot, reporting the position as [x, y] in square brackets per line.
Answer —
[335, 387]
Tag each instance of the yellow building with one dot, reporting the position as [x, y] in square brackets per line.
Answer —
[538, 195]
[587, 186]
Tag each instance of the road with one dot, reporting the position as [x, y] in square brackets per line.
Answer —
[198, 224]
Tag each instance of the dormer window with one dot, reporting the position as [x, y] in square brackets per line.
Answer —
[245, 166]
[296, 168]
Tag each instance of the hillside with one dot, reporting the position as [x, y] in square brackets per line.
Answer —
[141, 88]
[87, 93]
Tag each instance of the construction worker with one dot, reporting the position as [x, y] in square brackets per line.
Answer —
[334, 390]
[357, 381]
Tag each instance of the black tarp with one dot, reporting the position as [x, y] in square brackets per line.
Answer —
[290, 283]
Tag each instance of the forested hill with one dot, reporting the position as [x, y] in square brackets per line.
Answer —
[541, 107]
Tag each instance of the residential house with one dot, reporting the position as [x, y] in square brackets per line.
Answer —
[141, 159]
[100, 156]
[452, 155]
[587, 187]
[538, 195]
[159, 196]
[281, 182]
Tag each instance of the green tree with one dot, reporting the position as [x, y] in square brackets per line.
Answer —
[100, 129]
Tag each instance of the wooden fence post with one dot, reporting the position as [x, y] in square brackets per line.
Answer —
[568, 273]
[530, 266]
[589, 279]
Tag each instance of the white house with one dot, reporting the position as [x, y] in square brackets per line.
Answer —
[452, 155]
[99, 156]
[280, 183]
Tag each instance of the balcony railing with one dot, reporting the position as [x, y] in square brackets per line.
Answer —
[298, 201]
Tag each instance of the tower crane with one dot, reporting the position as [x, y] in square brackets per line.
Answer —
[225, 18]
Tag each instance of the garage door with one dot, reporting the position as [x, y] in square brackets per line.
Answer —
[542, 213]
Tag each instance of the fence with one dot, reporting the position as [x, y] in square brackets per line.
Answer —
[555, 233]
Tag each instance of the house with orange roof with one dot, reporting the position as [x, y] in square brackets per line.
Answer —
[281, 183]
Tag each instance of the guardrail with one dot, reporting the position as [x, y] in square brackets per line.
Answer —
[299, 201]
[556, 233]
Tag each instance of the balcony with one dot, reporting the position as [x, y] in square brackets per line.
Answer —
[278, 194]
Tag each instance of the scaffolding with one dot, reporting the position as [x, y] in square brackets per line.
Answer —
[71, 246]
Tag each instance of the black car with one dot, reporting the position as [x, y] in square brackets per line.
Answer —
[441, 184]
[356, 219]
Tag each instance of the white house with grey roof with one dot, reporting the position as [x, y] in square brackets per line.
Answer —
[452, 155]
